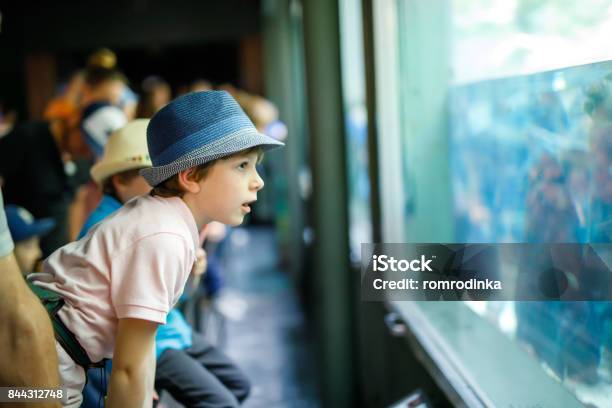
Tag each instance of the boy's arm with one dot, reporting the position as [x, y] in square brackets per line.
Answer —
[133, 375]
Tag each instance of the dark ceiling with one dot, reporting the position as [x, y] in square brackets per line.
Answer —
[61, 25]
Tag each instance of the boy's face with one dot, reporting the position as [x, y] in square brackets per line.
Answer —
[135, 187]
[109, 90]
[114, 89]
[27, 253]
[228, 189]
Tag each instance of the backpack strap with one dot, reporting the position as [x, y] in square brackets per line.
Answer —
[53, 302]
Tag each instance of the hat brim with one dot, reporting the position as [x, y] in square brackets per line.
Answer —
[224, 147]
[103, 170]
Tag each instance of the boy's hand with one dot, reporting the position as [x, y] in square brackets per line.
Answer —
[216, 231]
[203, 234]
[199, 267]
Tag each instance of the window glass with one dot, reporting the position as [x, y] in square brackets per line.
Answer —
[531, 161]
[500, 38]
[531, 157]
[510, 101]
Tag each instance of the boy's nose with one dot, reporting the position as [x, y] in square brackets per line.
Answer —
[257, 183]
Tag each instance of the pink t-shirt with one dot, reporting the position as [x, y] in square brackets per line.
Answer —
[134, 264]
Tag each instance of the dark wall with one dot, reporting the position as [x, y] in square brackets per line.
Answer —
[178, 64]
[178, 39]
[12, 87]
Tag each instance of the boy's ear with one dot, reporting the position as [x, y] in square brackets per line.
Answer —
[187, 180]
[116, 181]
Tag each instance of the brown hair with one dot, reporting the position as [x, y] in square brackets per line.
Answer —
[124, 177]
[94, 76]
[172, 188]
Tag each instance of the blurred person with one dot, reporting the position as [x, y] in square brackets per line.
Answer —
[555, 331]
[264, 115]
[123, 277]
[260, 110]
[213, 283]
[598, 104]
[36, 174]
[26, 335]
[579, 187]
[182, 90]
[230, 89]
[8, 119]
[66, 106]
[101, 114]
[200, 85]
[156, 94]
[551, 213]
[76, 154]
[106, 58]
[26, 231]
[128, 102]
[600, 227]
[117, 172]
[549, 113]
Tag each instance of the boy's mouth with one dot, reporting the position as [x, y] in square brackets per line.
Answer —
[247, 206]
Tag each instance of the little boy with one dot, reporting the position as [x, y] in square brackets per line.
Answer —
[208, 378]
[117, 173]
[26, 231]
[120, 281]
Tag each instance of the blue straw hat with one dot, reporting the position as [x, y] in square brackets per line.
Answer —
[197, 128]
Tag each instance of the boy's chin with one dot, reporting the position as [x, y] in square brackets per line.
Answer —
[235, 221]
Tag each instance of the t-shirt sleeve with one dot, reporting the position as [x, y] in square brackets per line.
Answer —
[148, 277]
[6, 242]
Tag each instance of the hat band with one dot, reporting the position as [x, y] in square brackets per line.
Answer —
[206, 136]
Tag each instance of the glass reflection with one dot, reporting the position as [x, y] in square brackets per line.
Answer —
[532, 162]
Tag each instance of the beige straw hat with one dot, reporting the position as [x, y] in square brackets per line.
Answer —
[126, 149]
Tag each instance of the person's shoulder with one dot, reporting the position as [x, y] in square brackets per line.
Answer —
[93, 107]
[102, 109]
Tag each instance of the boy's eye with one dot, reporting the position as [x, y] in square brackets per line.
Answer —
[244, 165]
